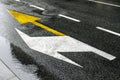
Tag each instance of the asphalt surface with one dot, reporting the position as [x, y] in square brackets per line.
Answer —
[91, 15]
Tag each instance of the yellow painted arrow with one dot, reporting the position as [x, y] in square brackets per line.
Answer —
[25, 18]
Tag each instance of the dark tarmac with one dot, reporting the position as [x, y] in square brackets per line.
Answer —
[40, 66]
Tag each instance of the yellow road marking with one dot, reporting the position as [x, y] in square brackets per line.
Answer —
[49, 29]
[25, 18]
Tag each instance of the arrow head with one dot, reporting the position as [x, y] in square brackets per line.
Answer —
[23, 18]
[45, 45]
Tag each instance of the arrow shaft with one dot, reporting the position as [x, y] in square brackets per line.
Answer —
[48, 29]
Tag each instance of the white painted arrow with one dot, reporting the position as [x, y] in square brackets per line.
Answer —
[52, 45]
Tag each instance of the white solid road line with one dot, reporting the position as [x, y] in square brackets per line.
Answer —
[109, 31]
[104, 3]
[61, 15]
[37, 7]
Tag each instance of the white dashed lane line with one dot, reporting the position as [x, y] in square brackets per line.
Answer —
[40, 8]
[109, 31]
[61, 15]
[100, 2]
[73, 19]
[17, 0]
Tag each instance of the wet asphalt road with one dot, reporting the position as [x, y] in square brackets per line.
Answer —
[91, 15]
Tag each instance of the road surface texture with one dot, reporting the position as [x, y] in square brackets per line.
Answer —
[61, 39]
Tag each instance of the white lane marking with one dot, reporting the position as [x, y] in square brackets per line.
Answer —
[40, 8]
[61, 15]
[17, 0]
[52, 45]
[105, 3]
[109, 31]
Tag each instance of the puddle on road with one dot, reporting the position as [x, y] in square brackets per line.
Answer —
[24, 72]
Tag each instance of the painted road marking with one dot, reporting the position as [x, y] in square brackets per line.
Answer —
[40, 8]
[61, 15]
[17, 0]
[104, 3]
[52, 45]
[24, 18]
[48, 45]
[109, 31]
[49, 29]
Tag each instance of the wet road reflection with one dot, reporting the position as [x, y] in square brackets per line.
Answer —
[32, 65]
[21, 64]
[25, 72]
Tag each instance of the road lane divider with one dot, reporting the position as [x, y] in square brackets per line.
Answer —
[100, 2]
[61, 15]
[17, 0]
[73, 19]
[40, 8]
[49, 29]
[109, 31]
